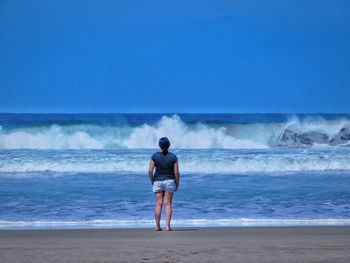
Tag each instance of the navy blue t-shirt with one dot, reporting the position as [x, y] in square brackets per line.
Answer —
[164, 166]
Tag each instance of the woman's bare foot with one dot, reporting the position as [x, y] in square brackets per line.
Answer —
[158, 228]
[168, 228]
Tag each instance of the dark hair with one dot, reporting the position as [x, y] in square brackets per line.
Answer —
[164, 144]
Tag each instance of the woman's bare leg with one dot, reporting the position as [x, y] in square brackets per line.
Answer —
[168, 197]
[158, 209]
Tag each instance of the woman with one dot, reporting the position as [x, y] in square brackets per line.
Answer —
[165, 180]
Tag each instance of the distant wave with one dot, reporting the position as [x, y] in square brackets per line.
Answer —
[294, 133]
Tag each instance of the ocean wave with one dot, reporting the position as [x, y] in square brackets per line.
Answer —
[313, 132]
[191, 161]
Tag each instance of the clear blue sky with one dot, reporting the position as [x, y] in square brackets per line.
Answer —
[174, 56]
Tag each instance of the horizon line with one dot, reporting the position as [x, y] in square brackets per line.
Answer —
[175, 113]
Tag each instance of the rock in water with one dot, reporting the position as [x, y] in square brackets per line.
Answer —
[342, 137]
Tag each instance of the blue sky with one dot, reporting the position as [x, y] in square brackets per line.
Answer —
[174, 56]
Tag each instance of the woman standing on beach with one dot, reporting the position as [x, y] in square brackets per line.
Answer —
[165, 180]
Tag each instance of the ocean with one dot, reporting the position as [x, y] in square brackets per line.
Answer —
[90, 170]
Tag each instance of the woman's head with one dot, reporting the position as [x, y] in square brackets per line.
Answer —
[164, 144]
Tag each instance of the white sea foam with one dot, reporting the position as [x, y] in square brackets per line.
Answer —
[199, 136]
[239, 222]
[52, 137]
[194, 161]
[182, 135]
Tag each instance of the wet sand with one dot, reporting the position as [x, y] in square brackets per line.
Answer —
[243, 244]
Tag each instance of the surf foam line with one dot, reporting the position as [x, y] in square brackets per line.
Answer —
[33, 162]
[294, 133]
[142, 223]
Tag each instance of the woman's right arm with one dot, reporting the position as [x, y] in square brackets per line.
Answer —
[177, 174]
[150, 171]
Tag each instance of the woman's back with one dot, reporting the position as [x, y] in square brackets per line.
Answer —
[164, 164]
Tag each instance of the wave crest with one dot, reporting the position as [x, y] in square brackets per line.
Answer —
[199, 136]
[294, 133]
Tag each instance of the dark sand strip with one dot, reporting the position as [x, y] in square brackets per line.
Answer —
[257, 244]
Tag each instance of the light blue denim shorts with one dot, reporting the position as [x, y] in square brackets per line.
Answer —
[168, 186]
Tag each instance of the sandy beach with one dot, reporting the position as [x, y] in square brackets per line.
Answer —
[255, 244]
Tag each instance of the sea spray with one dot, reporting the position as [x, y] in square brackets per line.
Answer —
[293, 132]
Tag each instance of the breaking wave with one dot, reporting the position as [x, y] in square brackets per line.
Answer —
[315, 132]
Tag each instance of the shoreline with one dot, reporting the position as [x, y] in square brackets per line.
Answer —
[194, 223]
[184, 244]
